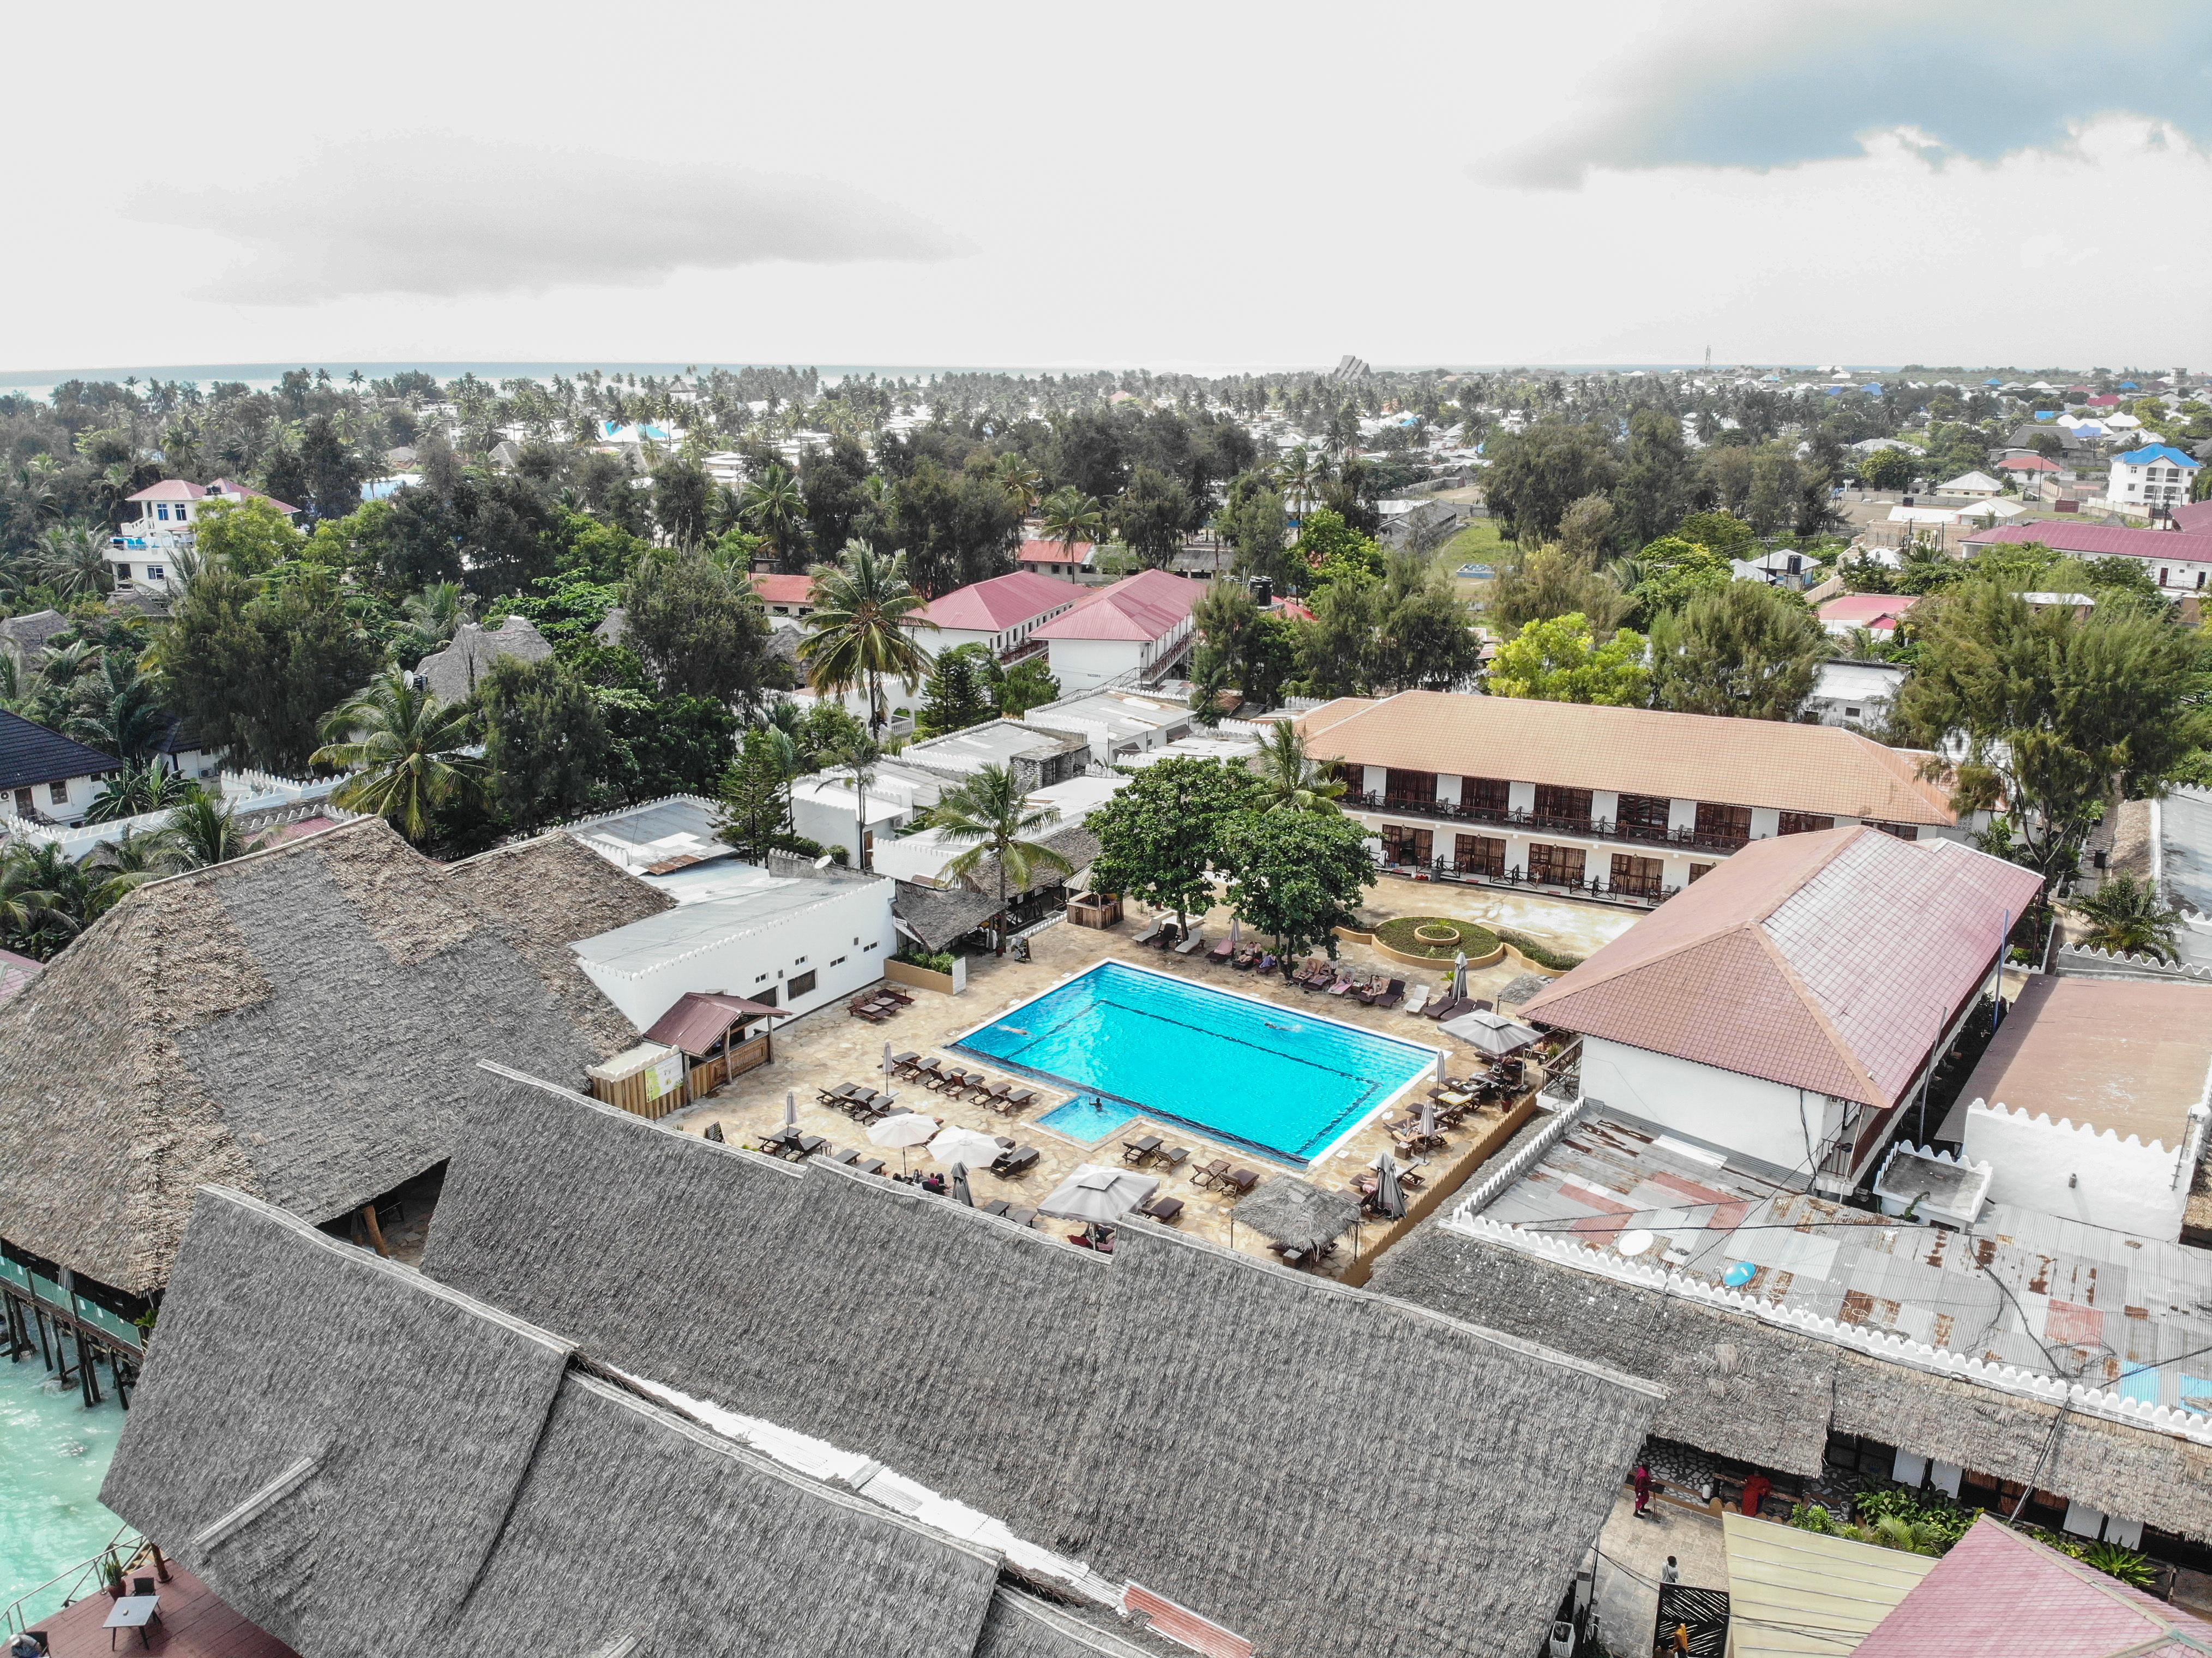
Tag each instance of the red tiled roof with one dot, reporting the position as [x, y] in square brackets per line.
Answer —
[1863, 610]
[1052, 552]
[2101, 540]
[1823, 960]
[1004, 601]
[2028, 463]
[1998, 1595]
[1146, 606]
[2195, 518]
[16, 973]
[221, 489]
[784, 589]
[699, 1017]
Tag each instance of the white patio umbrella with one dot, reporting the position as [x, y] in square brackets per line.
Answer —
[1428, 1119]
[965, 1145]
[908, 1128]
[1100, 1196]
[1232, 934]
[1441, 1074]
[1492, 1033]
[1389, 1195]
[790, 1108]
[887, 1058]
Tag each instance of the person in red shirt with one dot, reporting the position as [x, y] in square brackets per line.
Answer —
[1643, 1479]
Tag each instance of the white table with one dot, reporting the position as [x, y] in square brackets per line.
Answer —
[132, 1612]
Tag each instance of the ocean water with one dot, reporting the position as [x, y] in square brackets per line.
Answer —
[1271, 1077]
[53, 1454]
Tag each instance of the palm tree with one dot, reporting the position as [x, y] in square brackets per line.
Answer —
[862, 628]
[132, 859]
[72, 558]
[774, 508]
[1301, 476]
[991, 816]
[1290, 780]
[857, 760]
[115, 709]
[435, 613]
[1022, 482]
[206, 833]
[1070, 516]
[2129, 916]
[406, 748]
[35, 893]
[142, 786]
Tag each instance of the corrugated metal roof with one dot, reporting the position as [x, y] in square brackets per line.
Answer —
[1145, 606]
[1793, 1591]
[1004, 601]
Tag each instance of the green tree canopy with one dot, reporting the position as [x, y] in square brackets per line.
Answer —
[1888, 469]
[404, 748]
[699, 628]
[1744, 649]
[1295, 876]
[861, 631]
[546, 740]
[756, 798]
[1557, 660]
[958, 694]
[248, 535]
[1534, 475]
[1160, 838]
[1336, 554]
[1551, 581]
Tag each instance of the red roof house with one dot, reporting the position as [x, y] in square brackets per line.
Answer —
[785, 595]
[2028, 463]
[1001, 613]
[1140, 624]
[1999, 1594]
[180, 489]
[1878, 613]
[1056, 558]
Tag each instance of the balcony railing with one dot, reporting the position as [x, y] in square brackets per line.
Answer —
[1596, 829]
[1649, 894]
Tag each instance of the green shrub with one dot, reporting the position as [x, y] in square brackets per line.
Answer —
[930, 960]
[1398, 934]
[1540, 953]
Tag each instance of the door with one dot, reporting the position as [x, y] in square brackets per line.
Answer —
[1479, 855]
[1404, 846]
[1561, 866]
[1638, 877]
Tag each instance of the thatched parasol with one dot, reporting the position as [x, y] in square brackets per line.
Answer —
[1297, 1215]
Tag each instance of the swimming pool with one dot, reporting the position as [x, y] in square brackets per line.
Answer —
[1277, 1079]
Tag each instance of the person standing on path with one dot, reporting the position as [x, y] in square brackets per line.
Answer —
[1670, 1573]
[1643, 1479]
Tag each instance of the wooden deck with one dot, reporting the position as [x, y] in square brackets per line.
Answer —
[193, 1623]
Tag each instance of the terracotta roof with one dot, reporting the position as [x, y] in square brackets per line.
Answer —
[1145, 606]
[1825, 961]
[2101, 540]
[1866, 609]
[2028, 463]
[1004, 601]
[1998, 1595]
[784, 589]
[699, 1017]
[1679, 756]
[2124, 1054]
[2195, 518]
[1052, 552]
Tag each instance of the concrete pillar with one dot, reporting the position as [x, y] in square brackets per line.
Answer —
[1605, 806]
[1520, 797]
[1681, 816]
[1448, 788]
[1766, 823]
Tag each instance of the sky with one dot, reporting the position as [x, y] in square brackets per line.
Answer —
[1168, 185]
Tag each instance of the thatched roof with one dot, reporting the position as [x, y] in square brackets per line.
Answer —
[298, 1024]
[935, 916]
[1744, 1388]
[359, 1460]
[1117, 1407]
[452, 674]
[1297, 1213]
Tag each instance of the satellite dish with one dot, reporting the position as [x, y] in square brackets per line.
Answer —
[1740, 1273]
[1635, 1242]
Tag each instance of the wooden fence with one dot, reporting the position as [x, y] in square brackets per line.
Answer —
[634, 1094]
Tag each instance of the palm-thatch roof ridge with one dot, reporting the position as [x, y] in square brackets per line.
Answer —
[297, 1023]
[405, 1469]
[1743, 1389]
[1119, 1407]
[1021, 1625]
[1297, 1213]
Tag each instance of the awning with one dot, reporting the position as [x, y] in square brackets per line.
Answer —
[697, 1020]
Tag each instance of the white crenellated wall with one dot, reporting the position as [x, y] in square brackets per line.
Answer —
[2082, 1173]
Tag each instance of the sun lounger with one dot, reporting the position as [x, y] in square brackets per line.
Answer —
[902, 1063]
[1339, 986]
[1150, 934]
[1194, 942]
[1393, 994]
[1221, 952]
[898, 993]
[806, 1148]
[1482, 1007]
[1020, 1101]
[846, 1158]
[1243, 1179]
[920, 1070]
[1022, 1216]
[873, 1166]
[1417, 999]
[1015, 1162]
[1140, 1149]
[868, 1014]
[1166, 1210]
[1176, 1156]
[1213, 1173]
[999, 1206]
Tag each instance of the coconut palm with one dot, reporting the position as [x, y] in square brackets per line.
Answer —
[72, 559]
[774, 508]
[435, 613]
[115, 709]
[1070, 517]
[1290, 780]
[1301, 474]
[862, 627]
[141, 787]
[2129, 916]
[46, 899]
[992, 816]
[406, 748]
[856, 762]
[207, 833]
[132, 858]
[1022, 482]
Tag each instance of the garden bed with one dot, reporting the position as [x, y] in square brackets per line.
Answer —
[1426, 939]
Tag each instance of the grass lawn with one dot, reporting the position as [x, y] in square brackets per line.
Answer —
[1477, 544]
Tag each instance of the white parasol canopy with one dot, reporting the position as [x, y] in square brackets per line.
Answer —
[1101, 1196]
[1493, 1033]
[965, 1145]
[908, 1128]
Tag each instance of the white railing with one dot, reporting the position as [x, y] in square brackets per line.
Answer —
[1516, 1163]
[262, 802]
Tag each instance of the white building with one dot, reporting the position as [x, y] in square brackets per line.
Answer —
[1138, 628]
[1855, 694]
[47, 777]
[144, 549]
[790, 936]
[1072, 562]
[1001, 614]
[1975, 486]
[922, 857]
[2152, 479]
[1119, 725]
[1792, 1006]
[2091, 1103]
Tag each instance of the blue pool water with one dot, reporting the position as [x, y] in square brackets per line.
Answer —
[1271, 1077]
[53, 1454]
[1090, 1117]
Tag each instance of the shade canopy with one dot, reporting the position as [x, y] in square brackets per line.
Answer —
[1101, 1196]
[1389, 1194]
[908, 1128]
[1298, 1215]
[700, 1017]
[965, 1145]
[1493, 1033]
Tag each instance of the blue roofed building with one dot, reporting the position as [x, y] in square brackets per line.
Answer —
[2153, 479]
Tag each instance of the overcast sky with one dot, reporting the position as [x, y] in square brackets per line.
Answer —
[1171, 185]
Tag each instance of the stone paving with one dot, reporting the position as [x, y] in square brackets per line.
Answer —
[823, 1048]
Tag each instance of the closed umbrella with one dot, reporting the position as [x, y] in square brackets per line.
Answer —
[1389, 1195]
[1232, 935]
[1441, 1078]
[1459, 976]
[960, 1192]
[790, 1109]
[1428, 1119]
[887, 1058]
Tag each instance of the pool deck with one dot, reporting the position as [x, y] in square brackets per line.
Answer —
[829, 1046]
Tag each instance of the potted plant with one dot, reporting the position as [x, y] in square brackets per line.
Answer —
[111, 1570]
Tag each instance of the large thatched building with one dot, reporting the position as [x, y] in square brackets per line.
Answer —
[1323, 1470]
[359, 1460]
[299, 1024]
